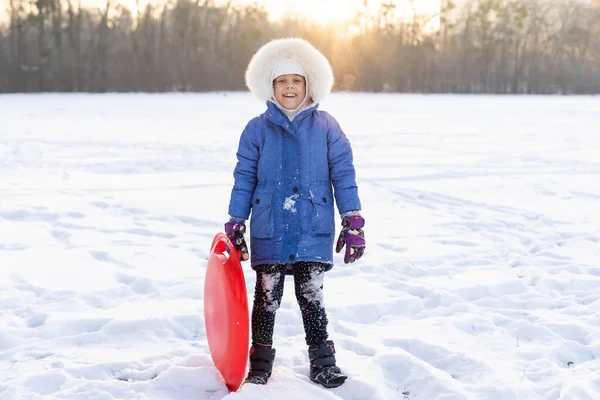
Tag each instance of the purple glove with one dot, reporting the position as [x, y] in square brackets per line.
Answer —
[352, 236]
[235, 229]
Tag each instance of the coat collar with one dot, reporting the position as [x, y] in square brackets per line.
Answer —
[277, 116]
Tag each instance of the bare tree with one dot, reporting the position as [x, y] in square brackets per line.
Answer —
[470, 46]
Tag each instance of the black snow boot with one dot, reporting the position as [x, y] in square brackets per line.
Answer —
[261, 364]
[322, 365]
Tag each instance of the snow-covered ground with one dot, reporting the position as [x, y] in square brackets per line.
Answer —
[481, 278]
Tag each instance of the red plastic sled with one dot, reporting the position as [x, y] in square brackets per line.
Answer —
[226, 312]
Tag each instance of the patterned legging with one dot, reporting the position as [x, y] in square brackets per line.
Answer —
[308, 282]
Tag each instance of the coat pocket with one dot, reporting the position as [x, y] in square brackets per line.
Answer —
[322, 208]
[261, 221]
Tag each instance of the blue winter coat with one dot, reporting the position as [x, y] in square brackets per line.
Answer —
[285, 172]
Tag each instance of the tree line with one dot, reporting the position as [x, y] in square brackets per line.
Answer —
[470, 46]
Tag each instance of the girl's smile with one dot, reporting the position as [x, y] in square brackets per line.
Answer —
[289, 90]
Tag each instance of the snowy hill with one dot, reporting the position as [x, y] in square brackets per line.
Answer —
[481, 277]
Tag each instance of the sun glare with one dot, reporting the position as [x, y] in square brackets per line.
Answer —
[332, 11]
[320, 11]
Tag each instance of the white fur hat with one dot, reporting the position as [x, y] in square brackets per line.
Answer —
[317, 70]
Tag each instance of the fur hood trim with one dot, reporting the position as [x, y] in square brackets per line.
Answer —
[319, 75]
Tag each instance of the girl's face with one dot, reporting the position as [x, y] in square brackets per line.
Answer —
[289, 90]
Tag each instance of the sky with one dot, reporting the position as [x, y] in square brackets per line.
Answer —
[319, 11]
[322, 11]
[479, 281]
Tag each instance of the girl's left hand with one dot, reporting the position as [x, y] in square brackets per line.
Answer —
[353, 237]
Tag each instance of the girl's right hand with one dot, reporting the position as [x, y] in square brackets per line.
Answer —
[235, 230]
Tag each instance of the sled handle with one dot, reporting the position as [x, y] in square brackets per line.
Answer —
[222, 244]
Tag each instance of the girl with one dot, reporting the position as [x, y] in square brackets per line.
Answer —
[293, 160]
